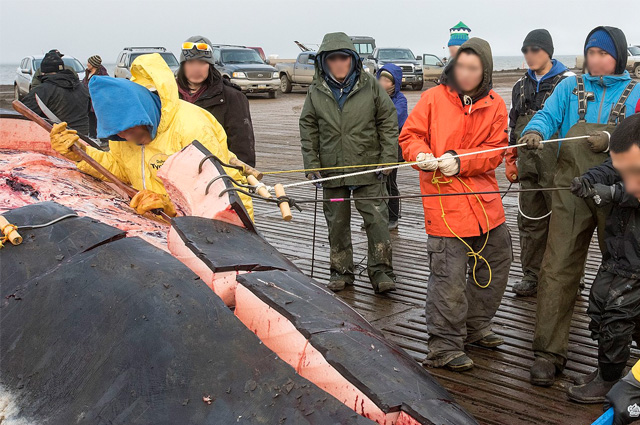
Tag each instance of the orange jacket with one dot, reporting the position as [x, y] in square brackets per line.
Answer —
[440, 123]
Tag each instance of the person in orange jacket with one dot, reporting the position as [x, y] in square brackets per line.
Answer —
[469, 245]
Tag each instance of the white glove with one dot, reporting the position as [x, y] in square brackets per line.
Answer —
[428, 165]
[448, 165]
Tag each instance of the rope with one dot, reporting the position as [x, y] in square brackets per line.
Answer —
[313, 244]
[429, 195]
[409, 164]
[531, 218]
[476, 255]
[5, 235]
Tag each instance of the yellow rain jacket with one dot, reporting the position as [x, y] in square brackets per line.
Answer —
[180, 124]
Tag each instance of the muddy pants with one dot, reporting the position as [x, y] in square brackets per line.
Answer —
[458, 311]
[536, 169]
[614, 309]
[376, 220]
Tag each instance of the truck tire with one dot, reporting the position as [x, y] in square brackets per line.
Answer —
[285, 84]
[16, 92]
[417, 86]
[636, 70]
[272, 94]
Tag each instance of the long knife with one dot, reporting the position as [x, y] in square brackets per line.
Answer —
[54, 119]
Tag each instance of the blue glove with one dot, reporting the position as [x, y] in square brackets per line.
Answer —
[381, 174]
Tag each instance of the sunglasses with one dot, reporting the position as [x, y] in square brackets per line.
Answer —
[188, 45]
[532, 49]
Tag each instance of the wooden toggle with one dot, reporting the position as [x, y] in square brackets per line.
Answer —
[10, 232]
[261, 189]
[284, 205]
[247, 169]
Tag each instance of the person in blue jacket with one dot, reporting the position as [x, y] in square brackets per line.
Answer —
[588, 106]
[390, 78]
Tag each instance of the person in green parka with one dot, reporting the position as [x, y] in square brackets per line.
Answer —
[348, 119]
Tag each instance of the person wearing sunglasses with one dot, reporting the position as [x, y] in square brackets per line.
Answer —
[534, 169]
[145, 123]
[580, 106]
[348, 119]
[200, 83]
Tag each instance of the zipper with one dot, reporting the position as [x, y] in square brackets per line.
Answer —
[604, 93]
[144, 183]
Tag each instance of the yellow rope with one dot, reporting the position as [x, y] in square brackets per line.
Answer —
[5, 235]
[471, 253]
[342, 167]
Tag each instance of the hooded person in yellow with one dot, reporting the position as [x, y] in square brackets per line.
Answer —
[145, 122]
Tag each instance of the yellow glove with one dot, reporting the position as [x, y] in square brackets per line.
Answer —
[146, 200]
[62, 139]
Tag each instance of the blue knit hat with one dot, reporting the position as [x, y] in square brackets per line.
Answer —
[459, 34]
[602, 40]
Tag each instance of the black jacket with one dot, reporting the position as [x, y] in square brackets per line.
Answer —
[226, 102]
[622, 231]
[528, 96]
[67, 98]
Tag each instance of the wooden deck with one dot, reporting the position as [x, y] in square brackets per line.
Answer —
[497, 390]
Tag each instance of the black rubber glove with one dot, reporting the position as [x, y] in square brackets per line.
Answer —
[315, 175]
[581, 187]
[603, 194]
[532, 140]
[624, 397]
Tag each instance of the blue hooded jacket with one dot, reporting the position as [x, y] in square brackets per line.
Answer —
[120, 104]
[560, 111]
[557, 68]
[399, 99]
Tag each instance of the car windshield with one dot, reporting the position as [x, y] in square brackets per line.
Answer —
[68, 62]
[395, 54]
[364, 48]
[168, 58]
[634, 50]
[241, 56]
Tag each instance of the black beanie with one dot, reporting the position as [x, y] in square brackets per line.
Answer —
[539, 38]
[52, 62]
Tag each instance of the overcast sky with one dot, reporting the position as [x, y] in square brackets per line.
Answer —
[103, 27]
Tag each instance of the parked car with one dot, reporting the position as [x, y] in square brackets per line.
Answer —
[301, 72]
[128, 55]
[410, 64]
[244, 66]
[633, 61]
[364, 46]
[29, 66]
[432, 66]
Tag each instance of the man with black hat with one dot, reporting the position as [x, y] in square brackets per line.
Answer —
[36, 79]
[534, 169]
[62, 92]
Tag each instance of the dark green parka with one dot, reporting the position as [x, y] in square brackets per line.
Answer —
[365, 131]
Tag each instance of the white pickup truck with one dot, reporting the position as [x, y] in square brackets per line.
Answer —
[633, 61]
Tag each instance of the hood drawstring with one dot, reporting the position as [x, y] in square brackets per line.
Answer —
[467, 100]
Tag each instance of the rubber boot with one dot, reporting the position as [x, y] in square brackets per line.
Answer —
[338, 282]
[525, 288]
[593, 392]
[542, 373]
[383, 284]
[490, 341]
[585, 379]
[460, 364]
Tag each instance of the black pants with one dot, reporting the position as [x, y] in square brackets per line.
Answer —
[93, 124]
[392, 190]
[614, 308]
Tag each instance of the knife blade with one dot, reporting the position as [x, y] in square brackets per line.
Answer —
[54, 119]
